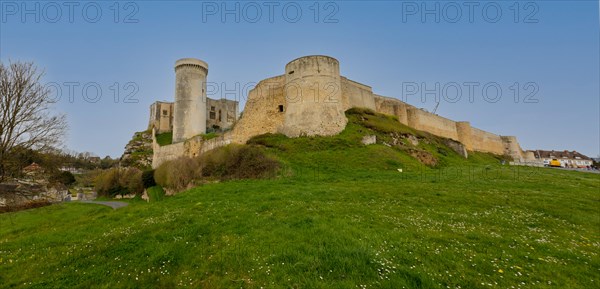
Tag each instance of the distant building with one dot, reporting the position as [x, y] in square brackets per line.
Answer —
[95, 160]
[72, 170]
[221, 114]
[567, 159]
[161, 117]
[33, 170]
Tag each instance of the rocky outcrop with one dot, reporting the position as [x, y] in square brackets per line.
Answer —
[138, 152]
[20, 192]
[369, 139]
[456, 146]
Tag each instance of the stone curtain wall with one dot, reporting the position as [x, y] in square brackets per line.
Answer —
[356, 94]
[193, 147]
[162, 154]
[488, 142]
[264, 112]
[472, 138]
[434, 124]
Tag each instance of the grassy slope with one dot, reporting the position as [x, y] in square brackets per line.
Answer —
[340, 216]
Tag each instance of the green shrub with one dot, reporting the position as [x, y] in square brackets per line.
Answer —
[107, 182]
[131, 180]
[177, 174]
[225, 163]
[118, 181]
[238, 162]
[65, 178]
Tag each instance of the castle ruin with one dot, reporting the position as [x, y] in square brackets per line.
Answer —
[309, 99]
[192, 113]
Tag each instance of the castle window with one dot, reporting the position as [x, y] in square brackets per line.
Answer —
[212, 108]
[280, 108]
[212, 115]
[291, 72]
[220, 115]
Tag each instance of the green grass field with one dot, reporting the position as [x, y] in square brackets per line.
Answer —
[337, 215]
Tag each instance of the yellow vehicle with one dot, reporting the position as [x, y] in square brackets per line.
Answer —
[555, 163]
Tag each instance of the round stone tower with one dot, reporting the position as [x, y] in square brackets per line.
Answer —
[313, 95]
[189, 111]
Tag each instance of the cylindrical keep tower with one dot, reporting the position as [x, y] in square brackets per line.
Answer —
[189, 112]
[313, 94]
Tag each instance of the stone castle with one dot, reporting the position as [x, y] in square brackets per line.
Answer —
[192, 113]
[309, 99]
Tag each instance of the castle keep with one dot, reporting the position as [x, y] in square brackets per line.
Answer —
[309, 99]
[192, 113]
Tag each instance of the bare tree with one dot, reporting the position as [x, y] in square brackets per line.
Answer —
[27, 120]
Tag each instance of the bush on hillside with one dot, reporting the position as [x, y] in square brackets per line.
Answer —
[225, 163]
[117, 181]
[238, 162]
[177, 174]
[131, 180]
[65, 178]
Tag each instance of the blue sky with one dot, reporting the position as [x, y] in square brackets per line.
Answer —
[548, 49]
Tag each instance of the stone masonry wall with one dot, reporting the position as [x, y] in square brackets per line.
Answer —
[314, 98]
[264, 111]
[161, 116]
[356, 94]
[435, 124]
[310, 99]
[192, 147]
[484, 141]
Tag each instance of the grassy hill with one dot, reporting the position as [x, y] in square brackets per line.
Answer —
[338, 215]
